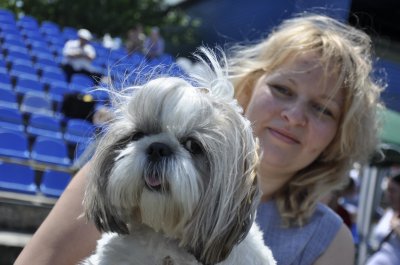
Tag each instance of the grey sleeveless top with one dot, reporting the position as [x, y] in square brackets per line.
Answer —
[298, 245]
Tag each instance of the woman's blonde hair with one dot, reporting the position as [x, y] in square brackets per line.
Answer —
[347, 51]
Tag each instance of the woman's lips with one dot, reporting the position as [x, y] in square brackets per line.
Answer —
[284, 136]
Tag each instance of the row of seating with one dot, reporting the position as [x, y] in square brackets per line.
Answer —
[38, 149]
[36, 124]
[45, 40]
[52, 144]
[28, 28]
[23, 179]
[31, 41]
[50, 99]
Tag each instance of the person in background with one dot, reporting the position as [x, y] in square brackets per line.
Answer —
[298, 89]
[135, 39]
[387, 231]
[335, 198]
[153, 44]
[78, 56]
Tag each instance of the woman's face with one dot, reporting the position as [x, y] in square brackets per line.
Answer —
[295, 114]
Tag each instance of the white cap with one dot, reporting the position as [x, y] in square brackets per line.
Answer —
[85, 34]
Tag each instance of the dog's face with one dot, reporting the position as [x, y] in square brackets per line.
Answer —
[180, 161]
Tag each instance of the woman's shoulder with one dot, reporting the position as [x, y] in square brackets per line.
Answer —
[298, 245]
[326, 216]
[322, 216]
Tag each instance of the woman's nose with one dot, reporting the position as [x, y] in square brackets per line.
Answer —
[295, 114]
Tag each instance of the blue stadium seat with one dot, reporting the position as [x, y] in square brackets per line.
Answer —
[100, 95]
[43, 63]
[14, 144]
[12, 39]
[51, 75]
[50, 150]
[5, 82]
[2, 61]
[3, 70]
[28, 22]
[17, 47]
[48, 62]
[55, 41]
[6, 32]
[136, 58]
[50, 29]
[81, 83]
[50, 25]
[82, 79]
[8, 98]
[70, 33]
[6, 16]
[23, 70]
[28, 85]
[56, 49]
[78, 131]
[118, 54]
[11, 119]
[36, 43]
[54, 182]
[31, 35]
[22, 65]
[17, 60]
[45, 126]
[101, 51]
[100, 62]
[41, 53]
[56, 92]
[17, 178]
[33, 103]
[15, 54]
[25, 63]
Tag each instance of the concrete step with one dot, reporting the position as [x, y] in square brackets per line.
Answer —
[14, 239]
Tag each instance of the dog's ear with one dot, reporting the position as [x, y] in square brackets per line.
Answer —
[228, 208]
[226, 214]
[96, 204]
[220, 247]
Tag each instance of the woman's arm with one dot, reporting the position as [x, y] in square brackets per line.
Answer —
[64, 237]
[340, 251]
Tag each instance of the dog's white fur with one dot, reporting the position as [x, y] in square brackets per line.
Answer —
[174, 176]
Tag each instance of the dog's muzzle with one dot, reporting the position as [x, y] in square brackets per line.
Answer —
[157, 153]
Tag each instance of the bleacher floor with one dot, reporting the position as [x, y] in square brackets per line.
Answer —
[19, 218]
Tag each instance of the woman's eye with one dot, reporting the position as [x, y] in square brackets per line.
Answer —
[322, 110]
[193, 146]
[281, 90]
[137, 136]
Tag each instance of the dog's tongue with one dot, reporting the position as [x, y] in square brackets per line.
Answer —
[153, 181]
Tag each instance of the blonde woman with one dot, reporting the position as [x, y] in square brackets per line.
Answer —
[308, 90]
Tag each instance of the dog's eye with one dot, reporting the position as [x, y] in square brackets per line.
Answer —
[193, 146]
[137, 136]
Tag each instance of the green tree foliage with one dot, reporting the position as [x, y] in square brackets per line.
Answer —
[114, 17]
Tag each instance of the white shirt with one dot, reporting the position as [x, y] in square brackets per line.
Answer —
[382, 228]
[72, 48]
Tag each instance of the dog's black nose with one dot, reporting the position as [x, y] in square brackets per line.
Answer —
[157, 150]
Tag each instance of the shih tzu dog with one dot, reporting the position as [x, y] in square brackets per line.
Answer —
[173, 178]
